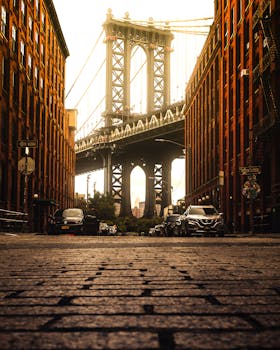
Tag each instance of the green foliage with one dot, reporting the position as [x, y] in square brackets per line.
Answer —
[103, 205]
[132, 224]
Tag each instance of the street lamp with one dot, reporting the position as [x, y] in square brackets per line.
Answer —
[88, 177]
[173, 142]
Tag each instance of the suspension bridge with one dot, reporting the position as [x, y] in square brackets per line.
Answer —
[127, 104]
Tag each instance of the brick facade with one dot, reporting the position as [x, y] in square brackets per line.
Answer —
[33, 54]
[242, 101]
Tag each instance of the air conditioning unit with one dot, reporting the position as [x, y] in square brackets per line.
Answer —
[244, 72]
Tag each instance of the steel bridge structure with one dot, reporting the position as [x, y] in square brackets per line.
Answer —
[127, 140]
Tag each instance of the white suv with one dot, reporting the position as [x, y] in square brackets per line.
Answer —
[203, 219]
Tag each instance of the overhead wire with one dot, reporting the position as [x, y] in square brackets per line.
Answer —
[85, 63]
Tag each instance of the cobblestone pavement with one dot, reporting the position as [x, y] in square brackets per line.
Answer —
[67, 292]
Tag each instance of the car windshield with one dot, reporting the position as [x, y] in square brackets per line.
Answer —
[203, 211]
[72, 212]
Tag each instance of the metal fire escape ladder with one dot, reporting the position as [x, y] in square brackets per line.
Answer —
[273, 56]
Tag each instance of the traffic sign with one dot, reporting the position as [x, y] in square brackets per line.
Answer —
[251, 189]
[27, 143]
[26, 165]
[246, 170]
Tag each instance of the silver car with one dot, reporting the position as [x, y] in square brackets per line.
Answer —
[203, 219]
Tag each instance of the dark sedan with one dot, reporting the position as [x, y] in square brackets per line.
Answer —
[73, 220]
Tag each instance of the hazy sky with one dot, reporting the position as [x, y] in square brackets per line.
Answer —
[81, 22]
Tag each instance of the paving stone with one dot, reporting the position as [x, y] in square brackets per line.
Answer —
[68, 292]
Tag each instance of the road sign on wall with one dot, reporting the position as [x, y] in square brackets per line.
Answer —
[247, 170]
[27, 143]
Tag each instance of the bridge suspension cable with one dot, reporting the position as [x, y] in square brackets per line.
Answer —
[172, 21]
[84, 65]
[89, 85]
[86, 121]
[184, 26]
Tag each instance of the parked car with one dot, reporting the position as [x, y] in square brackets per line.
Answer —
[73, 220]
[203, 219]
[171, 225]
[105, 229]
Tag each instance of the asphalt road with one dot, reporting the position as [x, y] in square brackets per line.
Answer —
[67, 292]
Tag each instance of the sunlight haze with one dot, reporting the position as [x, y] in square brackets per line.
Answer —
[81, 23]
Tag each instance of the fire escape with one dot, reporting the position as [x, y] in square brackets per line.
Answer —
[264, 71]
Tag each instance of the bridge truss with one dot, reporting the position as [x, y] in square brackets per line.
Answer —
[126, 140]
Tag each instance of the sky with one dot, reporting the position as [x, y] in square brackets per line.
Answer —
[81, 22]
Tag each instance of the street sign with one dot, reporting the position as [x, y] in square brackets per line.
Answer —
[247, 170]
[26, 165]
[251, 189]
[27, 143]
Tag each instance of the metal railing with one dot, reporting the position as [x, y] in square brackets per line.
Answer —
[13, 221]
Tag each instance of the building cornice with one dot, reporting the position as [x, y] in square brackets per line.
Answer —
[55, 21]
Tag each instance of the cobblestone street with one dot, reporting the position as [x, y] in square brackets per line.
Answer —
[67, 292]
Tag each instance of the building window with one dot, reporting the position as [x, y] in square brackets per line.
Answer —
[42, 86]
[23, 12]
[15, 86]
[232, 22]
[5, 74]
[239, 10]
[22, 53]
[36, 78]
[3, 21]
[29, 69]
[24, 98]
[37, 41]
[226, 34]
[238, 50]
[43, 21]
[37, 8]
[15, 4]
[14, 38]
[43, 52]
[246, 37]
[30, 26]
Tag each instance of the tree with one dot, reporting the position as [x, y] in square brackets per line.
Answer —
[103, 204]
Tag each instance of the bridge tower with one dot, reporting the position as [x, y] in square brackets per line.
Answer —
[121, 37]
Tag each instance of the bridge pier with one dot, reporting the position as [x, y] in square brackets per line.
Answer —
[108, 173]
[166, 185]
[125, 190]
[149, 211]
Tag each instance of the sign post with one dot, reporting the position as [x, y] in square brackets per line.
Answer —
[251, 188]
[26, 165]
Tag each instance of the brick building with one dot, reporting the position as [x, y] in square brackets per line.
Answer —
[33, 55]
[243, 103]
[202, 123]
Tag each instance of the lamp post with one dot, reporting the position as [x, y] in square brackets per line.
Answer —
[88, 177]
[173, 142]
